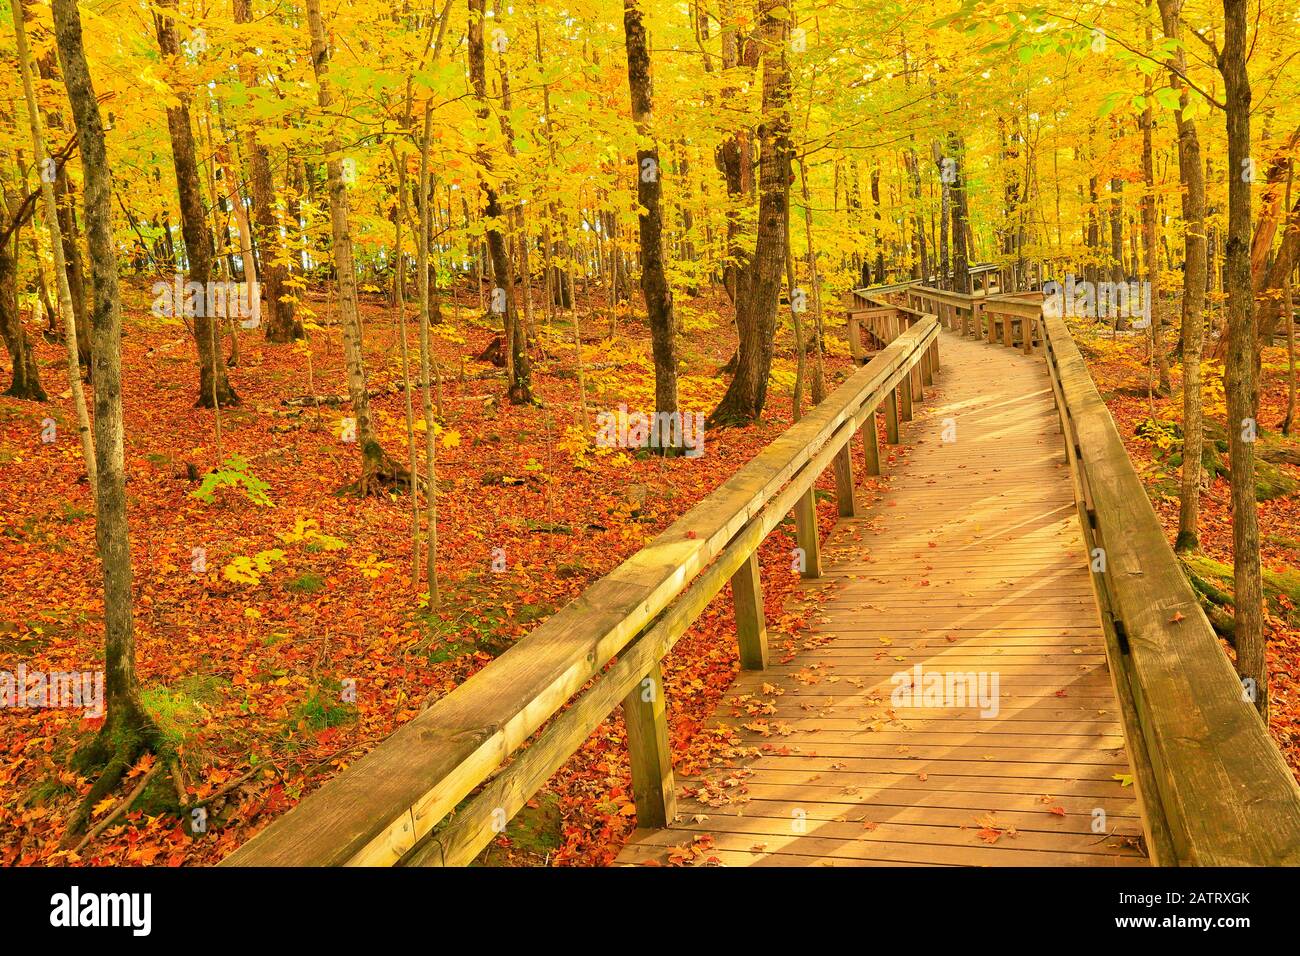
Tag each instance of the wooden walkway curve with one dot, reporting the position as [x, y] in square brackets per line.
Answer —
[966, 557]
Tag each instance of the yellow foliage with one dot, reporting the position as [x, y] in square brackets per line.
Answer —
[249, 570]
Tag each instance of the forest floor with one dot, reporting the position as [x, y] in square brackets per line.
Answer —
[300, 662]
[271, 676]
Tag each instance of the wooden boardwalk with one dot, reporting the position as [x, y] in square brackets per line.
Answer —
[968, 560]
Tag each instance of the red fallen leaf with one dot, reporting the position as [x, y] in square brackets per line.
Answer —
[1178, 616]
[1058, 811]
[923, 776]
[990, 835]
[690, 534]
[1061, 693]
[869, 825]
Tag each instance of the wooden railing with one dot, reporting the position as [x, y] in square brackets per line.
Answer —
[404, 802]
[1214, 788]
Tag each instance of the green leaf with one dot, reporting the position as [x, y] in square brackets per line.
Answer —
[1168, 98]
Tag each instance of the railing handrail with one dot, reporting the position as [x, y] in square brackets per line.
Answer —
[1224, 789]
[382, 807]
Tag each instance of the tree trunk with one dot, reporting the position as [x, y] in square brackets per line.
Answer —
[26, 382]
[214, 387]
[1268, 306]
[41, 154]
[127, 728]
[1288, 315]
[945, 211]
[520, 372]
[1158, 358]
[378, 470]
[46, 67]
[282, 324]
[1240, 375]
[734, 157]
[759, 286]
[1192, 173]
[654, 281]
[426, 371]
[961, 250]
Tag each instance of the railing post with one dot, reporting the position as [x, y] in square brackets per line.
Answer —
[918, 390]
[905, 396]
[855, 339]
[751, 628]
[805, 533]
[842, 465]
[927, 366]
[645, 716]
[871, 445]
[891, 416]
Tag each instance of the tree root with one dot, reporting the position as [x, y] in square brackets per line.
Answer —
[121, 808]
[380, 474]
[126, 735]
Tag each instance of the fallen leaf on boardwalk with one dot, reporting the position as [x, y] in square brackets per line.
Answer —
[1125, 780]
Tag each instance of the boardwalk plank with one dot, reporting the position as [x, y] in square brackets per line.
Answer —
[988, 524]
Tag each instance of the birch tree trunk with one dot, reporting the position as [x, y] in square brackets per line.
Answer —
[378, 469]
[42, 156]
[127, 728]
